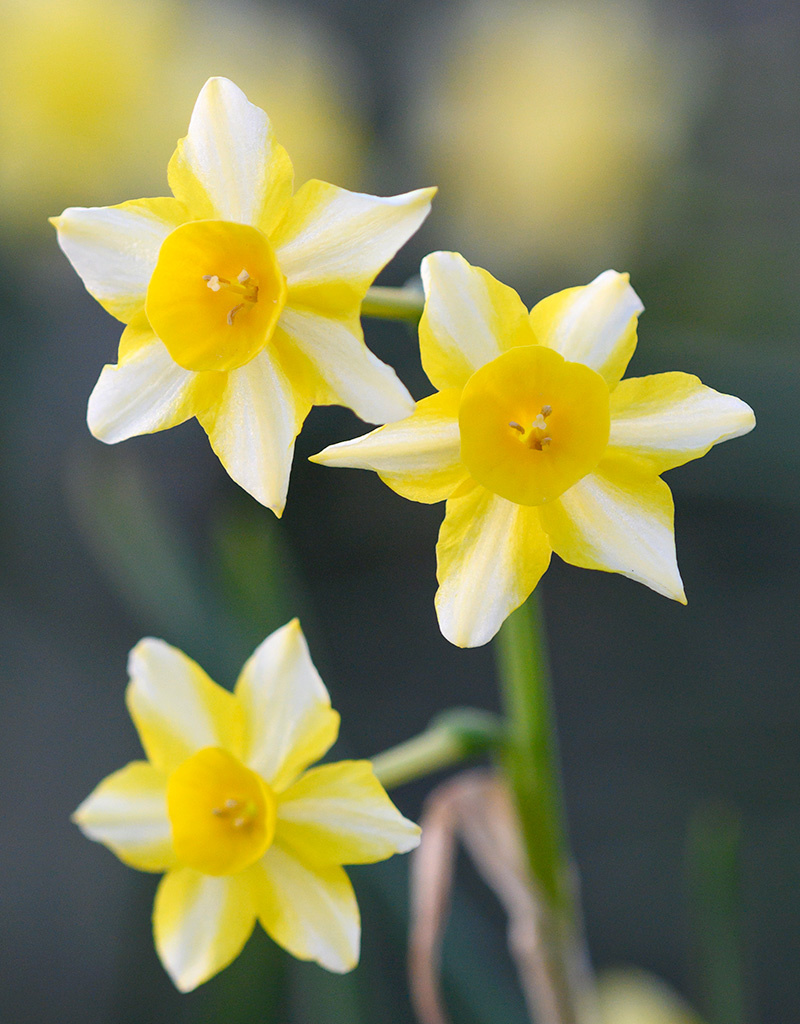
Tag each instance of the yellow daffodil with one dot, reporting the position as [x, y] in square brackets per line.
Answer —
[536, 442]
[241, 299]
[225, 806]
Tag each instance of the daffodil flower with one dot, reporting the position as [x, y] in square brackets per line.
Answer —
[225, 806]
[241, 299]
[537, 444]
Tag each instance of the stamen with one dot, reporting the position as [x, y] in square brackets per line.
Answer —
[516, 426]
[545, 441]
[546, 410]
[243, 276]
[232, 313]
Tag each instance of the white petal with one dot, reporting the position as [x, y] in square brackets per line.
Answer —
[114, 249]
[176, 708]
[594, 324]
[469, 319]
[146, 391]
[332, 235]
[288, 715]
[419, 457]
[253, 425]
[490, 555]
[618, 518]
[201, 923]
[128, 813]
[309, 910]
[229, 166]
[341, 814]
[671, 418]
[351, 374]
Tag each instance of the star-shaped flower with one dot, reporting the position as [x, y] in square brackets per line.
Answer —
[225, 806]
[241, 300]
[537, 444]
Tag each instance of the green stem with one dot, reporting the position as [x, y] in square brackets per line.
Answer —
[453, 737]
[393, 304]
[531, 761]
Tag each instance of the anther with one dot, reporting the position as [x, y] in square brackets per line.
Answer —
[243, 277]
[545, 441]
[516, 426]
[546, 410]
[232, 313]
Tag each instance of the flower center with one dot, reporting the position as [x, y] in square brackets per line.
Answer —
[222, 814]
[215, 295]
[532, 424]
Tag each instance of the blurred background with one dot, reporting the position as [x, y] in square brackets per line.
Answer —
[565, 138]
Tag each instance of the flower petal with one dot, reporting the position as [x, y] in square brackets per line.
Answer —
[201, 923]
[176, 708]
[340, 814]
[419, 457]
[490, 555]
[229, 166]
[146, 390]
[289, 722]
[253, 425]
[114, 248]
[340, 369]
[618, 518]
[594, 324]
[671, 418]
[310, 910]
[332, 243]
[128, 813]
[469, 319]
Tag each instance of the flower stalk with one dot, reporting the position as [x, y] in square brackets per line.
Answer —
[530, 763]
[453, 737]
[393, 304]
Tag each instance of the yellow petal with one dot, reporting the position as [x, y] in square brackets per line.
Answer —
[229, 166]
[490, 555]
[201, 923]
[332, 243]
[288, 714]
[419, 457]
[310, 910]
[671, 418]
[114, 248]
[340, 814]
[253, 425]
[594, 324]
[618, 518]
[176, 708]
[128, 813]
[468, 320]
[146, 390]
[341, 369]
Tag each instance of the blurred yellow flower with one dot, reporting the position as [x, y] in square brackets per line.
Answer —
[536, 444]
[93, 90]
[629, 996]
[564, 118]
[242, 300]
[225, 805]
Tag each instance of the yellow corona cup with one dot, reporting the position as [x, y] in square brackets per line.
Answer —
[537, 444]
[226, 805]
[242, 300]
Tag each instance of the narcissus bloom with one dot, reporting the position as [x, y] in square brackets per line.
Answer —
[537, 444]
[241, 300]
[225, 806]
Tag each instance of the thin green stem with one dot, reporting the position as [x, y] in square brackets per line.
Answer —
[455, 736]
[393, 304]
[531, 761]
